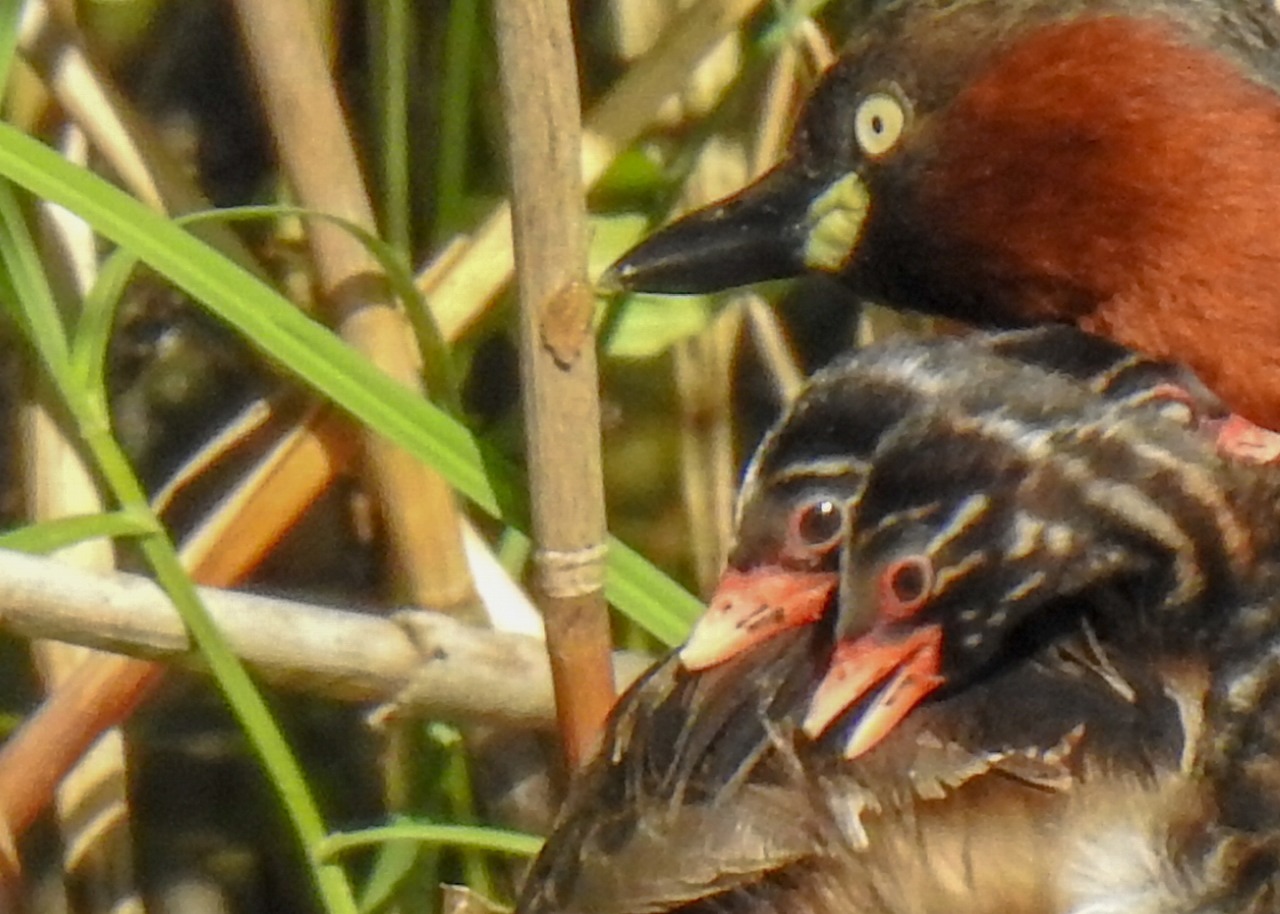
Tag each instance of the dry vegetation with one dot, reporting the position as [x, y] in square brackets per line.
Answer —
[266, 329]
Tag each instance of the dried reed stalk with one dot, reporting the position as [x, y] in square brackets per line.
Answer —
[319, 159]
[425, 663]
[557, 358]
[466, 278]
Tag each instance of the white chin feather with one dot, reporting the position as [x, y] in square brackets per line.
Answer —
[1120, 871]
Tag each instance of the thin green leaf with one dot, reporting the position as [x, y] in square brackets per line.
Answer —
[462, 32]
[45, 335]
[242, 695]
[392, 27]
[91, 335]
[10, 20]
[455, 785]
[52, 535]
[437, 360]
[648, 597]
[37, 310]
[395, 863]
[497, 840]
[322, 361]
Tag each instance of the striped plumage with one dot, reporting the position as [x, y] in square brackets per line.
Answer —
[986, 518]
[1100, 733]
[817, 454]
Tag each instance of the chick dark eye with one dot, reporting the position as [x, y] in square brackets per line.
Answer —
[904, 586]
[817, 525]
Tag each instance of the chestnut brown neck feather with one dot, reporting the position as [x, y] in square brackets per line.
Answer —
[1107, 172]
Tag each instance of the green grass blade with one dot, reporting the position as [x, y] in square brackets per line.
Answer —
[325, 363]
[462, 35]
[10, 20]
[93, 335]
[395, 864]
[34, 306]
[497, 840]
[392, 33]
[46, 338]
[52, 535]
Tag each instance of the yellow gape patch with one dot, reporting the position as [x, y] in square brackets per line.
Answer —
[835, 221]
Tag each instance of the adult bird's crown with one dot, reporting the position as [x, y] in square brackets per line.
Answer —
[1109, 164]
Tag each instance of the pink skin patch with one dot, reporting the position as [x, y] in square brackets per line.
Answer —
[1238, 438]
[1235, 437]
[750, 607]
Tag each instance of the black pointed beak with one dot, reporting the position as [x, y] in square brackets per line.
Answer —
[768, 231]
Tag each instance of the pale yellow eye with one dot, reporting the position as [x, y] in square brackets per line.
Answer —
[879, 123]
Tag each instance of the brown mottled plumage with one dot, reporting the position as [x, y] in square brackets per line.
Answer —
[1101, 732]
[705, 798]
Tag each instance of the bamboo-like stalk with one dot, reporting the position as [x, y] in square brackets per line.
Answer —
[462, 282]
[31, 767]
[703, 367]
[557, 358]
[117, 132]
[221, 550]
[318, 157]
[97, 701]
[703, 370]
[780, 103]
